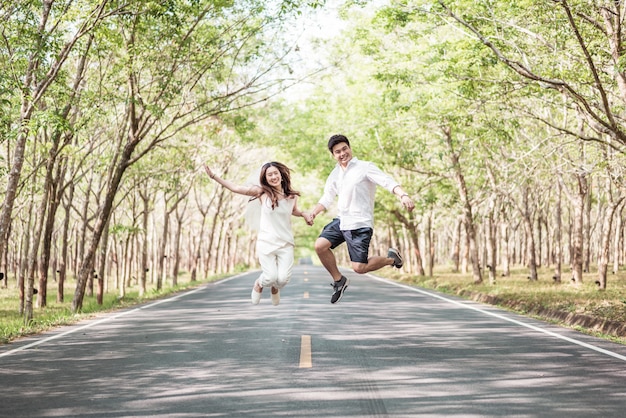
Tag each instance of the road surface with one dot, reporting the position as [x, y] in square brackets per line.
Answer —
[385, 350]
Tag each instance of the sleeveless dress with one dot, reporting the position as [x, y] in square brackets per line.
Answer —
[275, 225]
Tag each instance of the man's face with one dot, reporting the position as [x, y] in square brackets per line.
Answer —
[342, 153]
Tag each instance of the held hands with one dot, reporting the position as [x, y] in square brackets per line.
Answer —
[308, 217]
[407, 202]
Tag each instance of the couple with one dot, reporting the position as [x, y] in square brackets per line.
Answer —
[354, 183]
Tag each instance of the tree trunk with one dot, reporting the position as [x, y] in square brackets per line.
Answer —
[504, 252]
[456, 246]
[587, 232]
[492, 252]
[230, 249]
[128, 258]
[144, 248]
[530, 236]
[617, 244]
[23, 266]
[177, 240]
[577, 230]
[52, 183]
[197, 251]
[548, 245]
[210, 260]
[466, 251]
[220, 261]
[64, 244]
[515, 252]
[607, 224]
[84, 228]
[102, 262]
[36, 242]
[413, 231]
[467, 206]
[161, 270]
[558, 246]
[87, 262]
[122, 259]
[539, 242]
[431, 245]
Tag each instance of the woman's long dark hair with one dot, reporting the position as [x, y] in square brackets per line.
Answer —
[285, 174]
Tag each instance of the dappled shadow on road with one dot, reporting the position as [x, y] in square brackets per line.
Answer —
[380, 352]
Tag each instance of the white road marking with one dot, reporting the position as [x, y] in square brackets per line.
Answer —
[110, 318]
[504, 318]
[417, 290]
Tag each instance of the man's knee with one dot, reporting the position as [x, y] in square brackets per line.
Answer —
[321, 245]
[359, 268]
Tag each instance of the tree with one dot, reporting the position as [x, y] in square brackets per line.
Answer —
[29, 38]
[213, 55]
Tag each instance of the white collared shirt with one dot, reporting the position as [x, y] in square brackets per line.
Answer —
[355, 187]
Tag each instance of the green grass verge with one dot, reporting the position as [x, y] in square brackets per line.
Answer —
[602, 311]
[13, 326]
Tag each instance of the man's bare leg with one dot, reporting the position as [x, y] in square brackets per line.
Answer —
[373, 263]
[327, 258]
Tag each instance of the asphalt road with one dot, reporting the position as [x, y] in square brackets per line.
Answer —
[385, 350]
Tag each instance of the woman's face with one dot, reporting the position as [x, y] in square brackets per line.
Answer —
[273, 177]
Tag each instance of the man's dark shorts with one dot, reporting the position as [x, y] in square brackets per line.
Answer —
[357, 240]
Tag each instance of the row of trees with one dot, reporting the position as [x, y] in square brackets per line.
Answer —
[504, 122]
[105, 107]
[541, 103]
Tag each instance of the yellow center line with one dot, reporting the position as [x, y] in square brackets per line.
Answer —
[305, 352]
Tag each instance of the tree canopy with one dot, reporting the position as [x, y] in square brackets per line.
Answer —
[504, 121]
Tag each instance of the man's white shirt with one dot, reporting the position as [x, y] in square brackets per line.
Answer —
[355, 188]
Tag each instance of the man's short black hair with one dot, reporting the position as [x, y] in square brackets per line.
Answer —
[336, 139]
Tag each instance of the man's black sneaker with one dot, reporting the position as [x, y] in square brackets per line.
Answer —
[340, 286]
[397, 258]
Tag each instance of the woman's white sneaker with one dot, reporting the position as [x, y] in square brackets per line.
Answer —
[256, 296]
[275, 297]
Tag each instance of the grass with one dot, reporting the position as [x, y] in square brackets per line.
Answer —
[581, 307]
[13, 326]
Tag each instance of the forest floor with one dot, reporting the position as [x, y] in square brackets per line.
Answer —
[582, 307]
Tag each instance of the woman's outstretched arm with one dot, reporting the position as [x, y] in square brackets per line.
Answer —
[252, 190]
